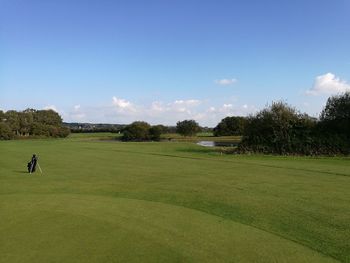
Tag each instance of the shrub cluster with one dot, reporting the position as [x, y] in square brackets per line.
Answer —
[142, 131]
[281, 129]
[46, 123]
[187, 128]
[230, 126]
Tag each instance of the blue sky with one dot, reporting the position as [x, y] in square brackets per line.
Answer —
[164, 61]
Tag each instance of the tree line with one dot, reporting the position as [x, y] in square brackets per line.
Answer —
[278, 128]
[76, 127]
[282, 129]
[143, 131]
[31, 123]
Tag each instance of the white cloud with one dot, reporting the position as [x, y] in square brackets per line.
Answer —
[123, 105]
[213, 115]
[239, 110]
[328, 84]
[51, 107]
[74, 114]
[189, 103]
[226, 82]
[227, 106]
[122, 111]
[211, 109]
[78, 113]
[183, 105]
[157, 106]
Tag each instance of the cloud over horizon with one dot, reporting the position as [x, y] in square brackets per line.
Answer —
[122, 105]
[51, 107]
[157, 112]
[328, 84]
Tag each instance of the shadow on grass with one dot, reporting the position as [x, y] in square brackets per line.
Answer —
[21, 172]
[198, 150]
[210, 150]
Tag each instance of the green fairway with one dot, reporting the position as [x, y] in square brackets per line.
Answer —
[105, 201]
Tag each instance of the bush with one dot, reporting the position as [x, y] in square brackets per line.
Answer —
[187, 128]
[230, 126]
[279, 129]
[141, 131]
[63, 132]
[155, 132]
[136, 131]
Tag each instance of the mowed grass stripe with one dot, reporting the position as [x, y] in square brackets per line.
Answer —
[235, 162]
[308, 208]
[135, 230]
[191, 152]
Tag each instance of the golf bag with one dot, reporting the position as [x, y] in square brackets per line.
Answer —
[32, 164]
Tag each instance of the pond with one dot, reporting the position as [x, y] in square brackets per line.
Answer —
[218, 144]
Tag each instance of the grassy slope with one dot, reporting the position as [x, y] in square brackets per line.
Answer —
[106, 201]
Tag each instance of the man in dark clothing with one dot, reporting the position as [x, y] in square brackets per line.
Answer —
[32, 164]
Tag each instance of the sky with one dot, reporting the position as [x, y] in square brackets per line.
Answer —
[164, 61]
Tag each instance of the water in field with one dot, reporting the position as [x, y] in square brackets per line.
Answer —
[217, 144]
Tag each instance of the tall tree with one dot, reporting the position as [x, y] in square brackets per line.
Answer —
[12, 120]
[2, 116]
[25, 122]
[336, 114]
[32, 122]
[48, 117]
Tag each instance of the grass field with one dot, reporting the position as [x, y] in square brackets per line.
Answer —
[204, 136]
[169, 202]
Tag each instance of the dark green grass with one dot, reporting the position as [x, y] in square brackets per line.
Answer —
[169, 202]
[95, 136]
[203, 136]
